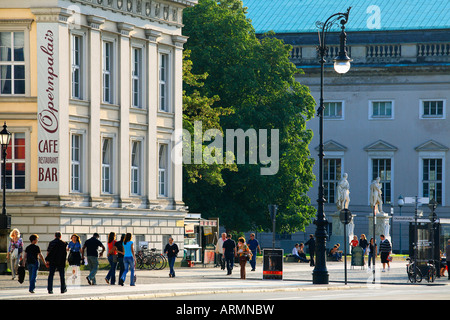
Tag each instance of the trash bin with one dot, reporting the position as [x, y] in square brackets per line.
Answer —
[357, 257]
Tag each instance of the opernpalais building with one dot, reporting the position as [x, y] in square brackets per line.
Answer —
[91, 91]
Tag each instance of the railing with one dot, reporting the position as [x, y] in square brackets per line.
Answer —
[433, 50]
[383, 53]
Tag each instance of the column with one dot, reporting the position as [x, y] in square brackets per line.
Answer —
[177, 177]
[125, 102]
[152, 98]
[95, 88]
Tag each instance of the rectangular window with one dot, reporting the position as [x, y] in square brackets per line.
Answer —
[106, 165]
[107, 72]
[163, 82]
[135, 167]
[75, 163]
[12, 63]
[76, 66]
[15, 163]
[331, 176]
[136, 78]
[333, 110]
[433, 109]
[382, 168]
[432, 179]
[381, 109]
[162, 173]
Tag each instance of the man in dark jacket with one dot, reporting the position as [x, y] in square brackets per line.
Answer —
[311, 243]
[229, 252]
[56, 260]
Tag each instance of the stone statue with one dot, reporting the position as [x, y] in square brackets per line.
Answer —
[376, 201]
[343, 193]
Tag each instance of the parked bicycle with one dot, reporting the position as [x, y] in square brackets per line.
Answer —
[150, 259]
[431, 275]
[413, 271]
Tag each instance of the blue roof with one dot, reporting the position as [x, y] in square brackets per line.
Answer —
[298, 16]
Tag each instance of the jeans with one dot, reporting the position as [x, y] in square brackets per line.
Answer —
[62, 277]
[171, 264]
[112, 269]
[229, 259]
[121, 266]
[93, 266]
[370, 258]
[253, 261]
[129, 264]
[32, 270]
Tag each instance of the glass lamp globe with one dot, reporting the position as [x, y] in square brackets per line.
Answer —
[342, 66]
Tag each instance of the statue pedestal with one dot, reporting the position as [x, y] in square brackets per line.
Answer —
[338, 232]
[382, 226]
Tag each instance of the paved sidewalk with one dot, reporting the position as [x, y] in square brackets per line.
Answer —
[208, 280]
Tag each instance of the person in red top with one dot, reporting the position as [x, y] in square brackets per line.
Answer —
[112, 259]
[354, 242]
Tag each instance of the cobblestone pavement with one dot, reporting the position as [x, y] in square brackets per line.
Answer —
[201, 280]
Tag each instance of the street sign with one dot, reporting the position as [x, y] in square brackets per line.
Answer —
[420, 200]
[409, 219]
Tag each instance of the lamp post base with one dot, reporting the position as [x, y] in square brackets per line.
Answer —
[320, 277]
[5, 222]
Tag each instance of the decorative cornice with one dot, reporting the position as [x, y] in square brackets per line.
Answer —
[51, 14]
[16, 22]
[179, 40]
[125, 28]
[431, 145]
[95, 21]
[152, 35]
[168, 12]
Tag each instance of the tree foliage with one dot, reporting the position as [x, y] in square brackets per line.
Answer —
[255, 81]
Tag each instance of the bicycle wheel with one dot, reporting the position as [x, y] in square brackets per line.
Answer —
[431, 274]
[414, 278]
[147, 262]
[139, 262]
[159, 262]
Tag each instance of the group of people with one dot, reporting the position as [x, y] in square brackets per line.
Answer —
[227, 250]
[299, 254]
[119, 253]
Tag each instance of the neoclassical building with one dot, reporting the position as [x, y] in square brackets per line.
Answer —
[91, 91]
[387, 117]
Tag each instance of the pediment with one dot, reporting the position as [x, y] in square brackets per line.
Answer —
[332, 145]
[380, 145]
[431, 145]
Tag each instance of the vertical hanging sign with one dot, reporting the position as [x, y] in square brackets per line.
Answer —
[48, 107]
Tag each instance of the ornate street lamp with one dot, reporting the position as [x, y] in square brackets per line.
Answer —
[5, 138]
[341, 65]
[400, 203]
[433, 217]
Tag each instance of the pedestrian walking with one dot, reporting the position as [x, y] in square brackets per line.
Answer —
[244, 255]
[219, 251]
[112, 259]
[363, 244]
[253, 245]
[74, 258]
[56, 260]
[90, 251]
[385, 250]
[15, 249]
[447, 257]
[229, 252]
[311, 243]
[171, 250]
[31, 256]
[128, 260]
[372, 250]
[120, 252]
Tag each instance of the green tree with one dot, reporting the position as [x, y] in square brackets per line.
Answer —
[255, 79]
